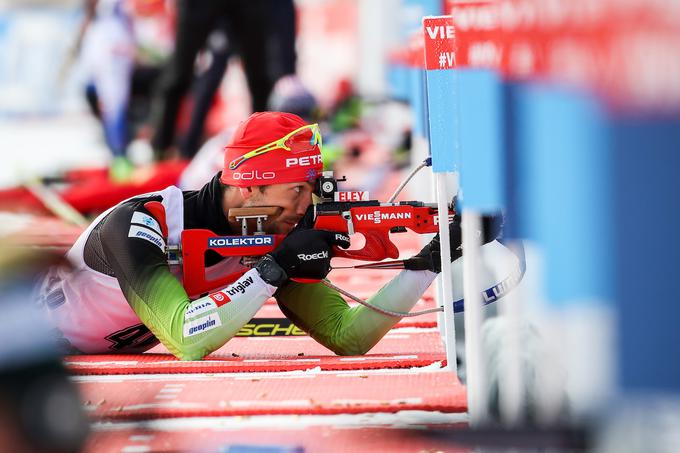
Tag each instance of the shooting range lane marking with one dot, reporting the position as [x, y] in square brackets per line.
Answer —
[235, 423]
[394, 402]
[280, 360]
[138, 439]
[361, 359]
[301, 376]
[317, 394]
[243, 404]
[170, 405]
[196, 377]
[105, 362]
[169, 392]
[141, 437]
[135, 448]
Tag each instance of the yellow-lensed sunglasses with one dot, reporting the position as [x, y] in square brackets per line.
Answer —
[301, 140]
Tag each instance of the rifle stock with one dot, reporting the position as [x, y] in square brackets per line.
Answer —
[373, 219]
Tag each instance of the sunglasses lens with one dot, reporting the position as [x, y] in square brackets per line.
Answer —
[304, 140]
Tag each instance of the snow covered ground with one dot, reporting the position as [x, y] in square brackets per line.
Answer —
[40, 146]
[44, 123]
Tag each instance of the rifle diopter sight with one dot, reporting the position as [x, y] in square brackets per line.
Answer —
[326, 186]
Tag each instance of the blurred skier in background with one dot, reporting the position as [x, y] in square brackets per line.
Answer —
[260, 32]
[122, 45]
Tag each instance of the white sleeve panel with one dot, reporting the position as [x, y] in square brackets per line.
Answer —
[211, 321]
[403, 291]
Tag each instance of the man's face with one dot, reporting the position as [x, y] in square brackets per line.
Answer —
[294, 199]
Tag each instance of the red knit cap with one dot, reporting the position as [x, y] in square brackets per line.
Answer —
[277, 166]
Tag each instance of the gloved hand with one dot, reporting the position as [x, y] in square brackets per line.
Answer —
[303, 254]
[429, 258]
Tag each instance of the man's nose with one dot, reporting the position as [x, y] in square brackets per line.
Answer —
[302, 207]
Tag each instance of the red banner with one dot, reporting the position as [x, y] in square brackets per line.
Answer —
[440, 42]
[477, 25]
[621, 51]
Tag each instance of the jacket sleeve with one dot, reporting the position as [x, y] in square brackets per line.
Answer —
[134, 247]
[325, 316]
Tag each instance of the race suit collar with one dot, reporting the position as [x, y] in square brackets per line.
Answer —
[203, 208]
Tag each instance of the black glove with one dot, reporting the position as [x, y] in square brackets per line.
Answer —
[302, 254]
[429, 258]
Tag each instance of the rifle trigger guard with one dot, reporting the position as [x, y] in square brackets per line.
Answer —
[377, 248]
